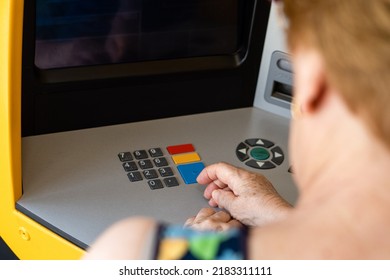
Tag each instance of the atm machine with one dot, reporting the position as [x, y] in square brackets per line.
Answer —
[110, 109]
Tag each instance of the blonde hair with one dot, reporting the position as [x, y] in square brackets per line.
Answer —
[354, 38]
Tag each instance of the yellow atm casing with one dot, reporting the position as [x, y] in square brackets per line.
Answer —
[26, 238]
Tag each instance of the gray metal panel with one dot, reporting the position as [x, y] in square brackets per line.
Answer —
[275, 41]
[75, 182]
[280, 70]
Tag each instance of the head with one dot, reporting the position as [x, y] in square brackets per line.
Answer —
[343, 46]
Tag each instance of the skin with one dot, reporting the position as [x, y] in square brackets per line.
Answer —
[340, 168]
[249, 197]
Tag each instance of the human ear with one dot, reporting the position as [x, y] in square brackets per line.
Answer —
[310, 81]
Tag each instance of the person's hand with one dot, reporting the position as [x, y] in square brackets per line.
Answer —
[209, 219]
[249, 197]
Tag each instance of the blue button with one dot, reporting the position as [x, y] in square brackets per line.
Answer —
[190, 172]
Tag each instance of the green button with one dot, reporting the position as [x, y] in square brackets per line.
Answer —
[260, 154]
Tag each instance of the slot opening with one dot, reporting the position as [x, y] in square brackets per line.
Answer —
[282, 91]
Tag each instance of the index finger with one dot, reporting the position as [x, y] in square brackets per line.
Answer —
[223, 172]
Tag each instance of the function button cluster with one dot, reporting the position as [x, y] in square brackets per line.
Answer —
[153, 166]
[260, 153]
[187, 160]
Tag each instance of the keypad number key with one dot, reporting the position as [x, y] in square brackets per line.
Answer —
[140, 154]
[160, 162]
[145, 164]
[125, 156]
[155, 152]
[155, 184]
[165, 171]
[134, 176]
[130, 166]
[150, 174]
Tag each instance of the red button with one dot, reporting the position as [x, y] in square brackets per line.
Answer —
[179, 149]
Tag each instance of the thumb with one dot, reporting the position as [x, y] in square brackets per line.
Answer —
[224, 199]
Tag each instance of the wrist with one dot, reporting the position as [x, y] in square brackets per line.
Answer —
[271, 214]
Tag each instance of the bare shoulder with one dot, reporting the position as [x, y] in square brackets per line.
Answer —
[131, 238]
[324, 234]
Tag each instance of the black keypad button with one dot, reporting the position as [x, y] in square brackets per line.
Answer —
[165, 171]
[278, 155]
[130, 166]
[140, 154]
[171, 182]
[160, 162]
[155, 184]
[134, 176]
[125, 156]
[242, 151]
[155, 152]
[260, 164]
[145, 164]
[150, 174]
[259, 142]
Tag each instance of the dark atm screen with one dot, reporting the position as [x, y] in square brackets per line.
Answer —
[71, 33]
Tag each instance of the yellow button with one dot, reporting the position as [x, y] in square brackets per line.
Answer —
[185, 158]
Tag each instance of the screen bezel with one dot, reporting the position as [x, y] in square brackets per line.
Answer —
[48, 93]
